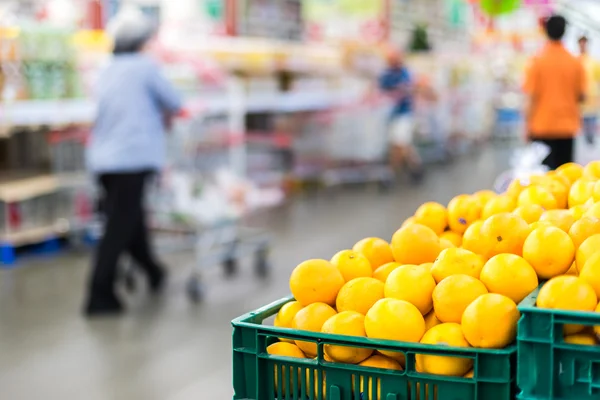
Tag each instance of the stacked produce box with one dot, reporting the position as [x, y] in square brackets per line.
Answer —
[434, 314]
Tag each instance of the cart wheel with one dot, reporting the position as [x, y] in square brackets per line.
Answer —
[230, 266]
[385, 185]
[195, 290]
[261, 264]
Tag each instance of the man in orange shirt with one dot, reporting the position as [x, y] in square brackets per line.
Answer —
[556, 85]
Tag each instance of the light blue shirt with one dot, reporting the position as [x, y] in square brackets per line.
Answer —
[129, 134]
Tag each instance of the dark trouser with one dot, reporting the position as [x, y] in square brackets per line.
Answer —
[561, 151]
[125, 230]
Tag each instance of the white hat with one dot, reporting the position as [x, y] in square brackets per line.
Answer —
[130, 28]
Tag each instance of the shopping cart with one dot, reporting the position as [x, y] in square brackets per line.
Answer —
[357, 145]
[199, 204]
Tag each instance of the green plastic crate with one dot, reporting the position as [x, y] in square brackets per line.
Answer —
[550, 368]
[254, 370]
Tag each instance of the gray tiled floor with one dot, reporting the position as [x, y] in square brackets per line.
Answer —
[169, 348]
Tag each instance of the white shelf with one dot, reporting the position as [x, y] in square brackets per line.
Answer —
[46, 112]
[54, 113]
[35, 235]
[22, 189]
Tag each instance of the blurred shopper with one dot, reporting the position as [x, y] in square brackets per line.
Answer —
[555, 84]
[126, 148]
[590, 106]
[398, 84]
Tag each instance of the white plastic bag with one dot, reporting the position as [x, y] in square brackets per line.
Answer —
[525, 163]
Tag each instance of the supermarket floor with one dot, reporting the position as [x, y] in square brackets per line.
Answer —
[169, 348]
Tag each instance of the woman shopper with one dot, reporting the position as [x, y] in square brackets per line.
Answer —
[126, 148]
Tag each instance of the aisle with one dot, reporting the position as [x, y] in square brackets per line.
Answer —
[167, 348]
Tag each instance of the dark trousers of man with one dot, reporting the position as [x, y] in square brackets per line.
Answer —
[125, 231]
[561, 151]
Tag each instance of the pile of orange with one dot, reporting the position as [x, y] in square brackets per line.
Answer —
[453, 275]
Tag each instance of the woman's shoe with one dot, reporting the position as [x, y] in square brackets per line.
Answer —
[103, 306]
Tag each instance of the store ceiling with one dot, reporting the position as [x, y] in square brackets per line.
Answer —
[583, 13]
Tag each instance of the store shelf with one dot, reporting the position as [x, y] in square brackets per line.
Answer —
[82, 111]
[34, 235]
[28, 113]
[27, 188]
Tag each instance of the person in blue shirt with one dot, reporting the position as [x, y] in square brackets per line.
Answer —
[397, 83]
[126, 147]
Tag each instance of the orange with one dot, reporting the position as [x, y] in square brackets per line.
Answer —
[583, 229]
[571, 171]
[427, 266]
[433, 215]
[497, 205]
[349, 323]
[431, 320]
[394, 319]
[452, 237]
[448, 334]
[415, 244]
[359, 295]
[579, 211]
[587, 249]
[581, 191]
[285, 350]
[567, 293]
[592, 170]
[573, 270]
[515, 188]
[286, 315]
[376, 361]
[585, 339]
[593, 210]
[384, 271]
[316, 281]
[446, 244]
[591, 272]
[505, 233]
[408, 221]
[558, 190]
[352, 264]
[530, 213]
[538, 195]
[560, 178]
[483, 196]
[472, 239]
[463, 210]
[311, 318]
[490, 322]
[596, 191]
[550, 251]
[562, 219]
[509, 275]
[541, 224]
[452, 295]
[413, 284]
[597, 328]
[377, 251]
[381, 361]
[456, 261]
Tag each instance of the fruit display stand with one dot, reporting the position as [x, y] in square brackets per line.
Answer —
[549, 367]
[256, 373]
